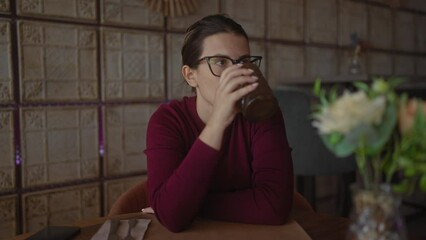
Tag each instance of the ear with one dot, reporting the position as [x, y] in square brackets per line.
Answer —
[190, 76]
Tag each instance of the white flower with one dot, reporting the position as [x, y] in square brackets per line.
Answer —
[349, 111]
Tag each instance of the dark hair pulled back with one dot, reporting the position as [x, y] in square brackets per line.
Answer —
[207, 26]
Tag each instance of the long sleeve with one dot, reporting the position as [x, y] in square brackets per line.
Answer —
[250, 180]
[178, 181]
[269, 199]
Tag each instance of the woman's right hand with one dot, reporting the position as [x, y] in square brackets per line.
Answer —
[230, 91]
[234, 83]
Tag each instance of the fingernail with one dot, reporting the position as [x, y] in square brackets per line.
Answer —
[239, 64]
[254, 77]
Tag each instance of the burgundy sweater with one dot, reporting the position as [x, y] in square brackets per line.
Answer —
[250, 180]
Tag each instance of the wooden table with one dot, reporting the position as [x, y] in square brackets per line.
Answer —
[316, 225]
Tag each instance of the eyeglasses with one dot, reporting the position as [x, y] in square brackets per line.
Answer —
[219, 63]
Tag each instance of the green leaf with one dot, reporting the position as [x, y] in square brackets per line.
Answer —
[335, 138]
[420, 121]
[402, 187]
[421, 167]
[333, 94]
[361, 86]
[410, 171]
[377, 78]
[396, 81]
[384, 131]
[404, 162]
[337, 144]
[323, 99]
[317, 87]
[390, 164]
[380, 87]
[367, 133]
[422, 182]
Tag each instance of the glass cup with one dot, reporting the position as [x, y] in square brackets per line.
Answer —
[261, 103]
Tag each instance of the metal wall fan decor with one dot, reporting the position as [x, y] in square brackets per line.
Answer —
[172, 8]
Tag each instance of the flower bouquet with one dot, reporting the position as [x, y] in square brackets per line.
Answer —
[387, 134]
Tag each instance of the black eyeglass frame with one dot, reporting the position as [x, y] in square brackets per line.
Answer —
[252, 59]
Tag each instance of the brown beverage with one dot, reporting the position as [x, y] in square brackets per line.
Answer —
[261, 103]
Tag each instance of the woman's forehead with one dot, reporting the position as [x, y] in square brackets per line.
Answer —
[229, 44]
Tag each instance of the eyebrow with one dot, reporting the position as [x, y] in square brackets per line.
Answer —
[223, 55]
[244, 56]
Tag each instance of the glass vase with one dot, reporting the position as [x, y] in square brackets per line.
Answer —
[376, 215]
[355, 66]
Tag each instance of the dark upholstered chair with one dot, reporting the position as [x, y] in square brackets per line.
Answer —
[133, 200]
[310, 156]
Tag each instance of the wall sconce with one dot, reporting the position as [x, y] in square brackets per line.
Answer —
[359, 47]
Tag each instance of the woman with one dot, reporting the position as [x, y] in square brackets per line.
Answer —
[204, 158]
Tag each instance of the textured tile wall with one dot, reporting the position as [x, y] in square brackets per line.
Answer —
[321, 62]
[380, 29]
[79, 80]
[59, 144]
[129, 13]
[4, 6]
[380, 63]
[405, 65]
[352, 20]
[60, 206]
[321, 25]
[57, 62]
[132, 65]
[125, 130]
[8, 218]
[421, 66]
[285, 20]
[405, 38]
[250, 13]
[285, 61]
[6, 88]
[76, 10]
[176, 84]
[7, 163]
[421, 33]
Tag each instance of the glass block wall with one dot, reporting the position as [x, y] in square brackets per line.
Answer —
[79, 80]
